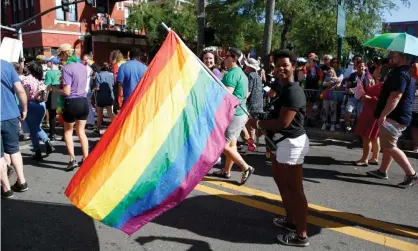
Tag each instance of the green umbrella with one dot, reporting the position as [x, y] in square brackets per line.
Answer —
[401, 42]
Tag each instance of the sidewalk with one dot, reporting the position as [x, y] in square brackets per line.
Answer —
[317, 133]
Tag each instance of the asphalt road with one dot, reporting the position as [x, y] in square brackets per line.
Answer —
[348, 210]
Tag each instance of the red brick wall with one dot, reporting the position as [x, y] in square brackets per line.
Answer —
[48, 22]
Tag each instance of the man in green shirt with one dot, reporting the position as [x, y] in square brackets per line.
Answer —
[236, 82]
[52, 78]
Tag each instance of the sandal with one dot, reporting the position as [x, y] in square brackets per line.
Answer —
[246, 175]
[373, 162]
[363, 164]
[221, 174]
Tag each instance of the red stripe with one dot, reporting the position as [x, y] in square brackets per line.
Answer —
[165, 53]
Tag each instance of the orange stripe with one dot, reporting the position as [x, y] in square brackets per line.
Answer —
[167, 50]
[155, 96]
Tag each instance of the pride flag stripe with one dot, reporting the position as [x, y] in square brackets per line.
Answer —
[191, 120]
[135, 132]
[145, 147]
[167, 137]
[156, 67]
[213, 147]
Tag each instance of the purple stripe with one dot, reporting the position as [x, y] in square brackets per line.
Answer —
[214, 148]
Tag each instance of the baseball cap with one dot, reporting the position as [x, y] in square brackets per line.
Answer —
[54, 60]
[236, 53]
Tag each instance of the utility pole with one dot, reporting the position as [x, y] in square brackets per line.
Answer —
[200, 26]
[268, 33]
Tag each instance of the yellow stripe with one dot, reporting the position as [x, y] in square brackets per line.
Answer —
[361, 220]
[335, 226]
[144, 149]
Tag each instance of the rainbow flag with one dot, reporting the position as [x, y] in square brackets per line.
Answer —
[160, 146]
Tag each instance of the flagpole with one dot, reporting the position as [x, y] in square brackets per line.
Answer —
[220, 84]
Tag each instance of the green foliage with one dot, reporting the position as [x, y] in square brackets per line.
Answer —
[309, 25]
[148, 17]
[238, 23]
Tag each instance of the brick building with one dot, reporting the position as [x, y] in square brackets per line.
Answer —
[76, 27]
[410, 27]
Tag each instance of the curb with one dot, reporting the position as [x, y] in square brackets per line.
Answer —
[403, 144]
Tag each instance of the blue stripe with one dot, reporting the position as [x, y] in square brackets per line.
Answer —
[185, 159]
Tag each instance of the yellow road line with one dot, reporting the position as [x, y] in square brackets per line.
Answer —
[335, 226]
[361, 220]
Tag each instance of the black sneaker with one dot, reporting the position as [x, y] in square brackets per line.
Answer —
[378, 174]
[7, 195]
[49, 147]
[291, 239]
[282, 223]
[409, 181]
[20, 187]
[71, 165]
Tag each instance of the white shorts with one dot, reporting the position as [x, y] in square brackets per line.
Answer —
[292, 151]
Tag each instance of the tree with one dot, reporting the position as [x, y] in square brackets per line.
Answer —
[238, 23]
[316, 32]
[148, 17]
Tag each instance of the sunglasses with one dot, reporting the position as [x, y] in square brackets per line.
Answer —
[335, 62]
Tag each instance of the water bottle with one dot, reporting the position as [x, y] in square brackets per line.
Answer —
[392, 129]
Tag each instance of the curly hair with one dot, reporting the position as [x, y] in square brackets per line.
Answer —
[35, 68]
[116, 56]
[285, 54]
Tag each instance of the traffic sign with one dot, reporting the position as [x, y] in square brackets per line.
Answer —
[341, 21]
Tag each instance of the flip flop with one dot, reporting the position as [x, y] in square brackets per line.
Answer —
[355, 163]
[374, 163]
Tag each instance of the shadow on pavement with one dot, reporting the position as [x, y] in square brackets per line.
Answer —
[329, 142]
[29, 225]
[218, 218]
[312, 173]
[354, 220]
[196, 245]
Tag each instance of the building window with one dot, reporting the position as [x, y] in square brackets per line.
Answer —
[26, 9]
[60, 13]
[73, 13]
[32, 8]
[16, 8]
[4, 13]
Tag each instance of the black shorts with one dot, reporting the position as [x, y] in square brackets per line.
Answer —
[9, 141]
[311, 96]
[104, 105]
[76, 109]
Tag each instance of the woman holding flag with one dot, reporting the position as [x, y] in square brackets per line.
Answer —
[292, 145]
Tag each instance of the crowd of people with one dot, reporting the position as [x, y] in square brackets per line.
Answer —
[383, 96]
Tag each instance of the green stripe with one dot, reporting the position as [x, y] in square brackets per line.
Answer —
[167, 154]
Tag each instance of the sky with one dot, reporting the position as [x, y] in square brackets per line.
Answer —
[403, 13]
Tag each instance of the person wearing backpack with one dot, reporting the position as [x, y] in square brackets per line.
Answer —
[37, 95]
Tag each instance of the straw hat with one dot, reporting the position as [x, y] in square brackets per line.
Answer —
[65, 47]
